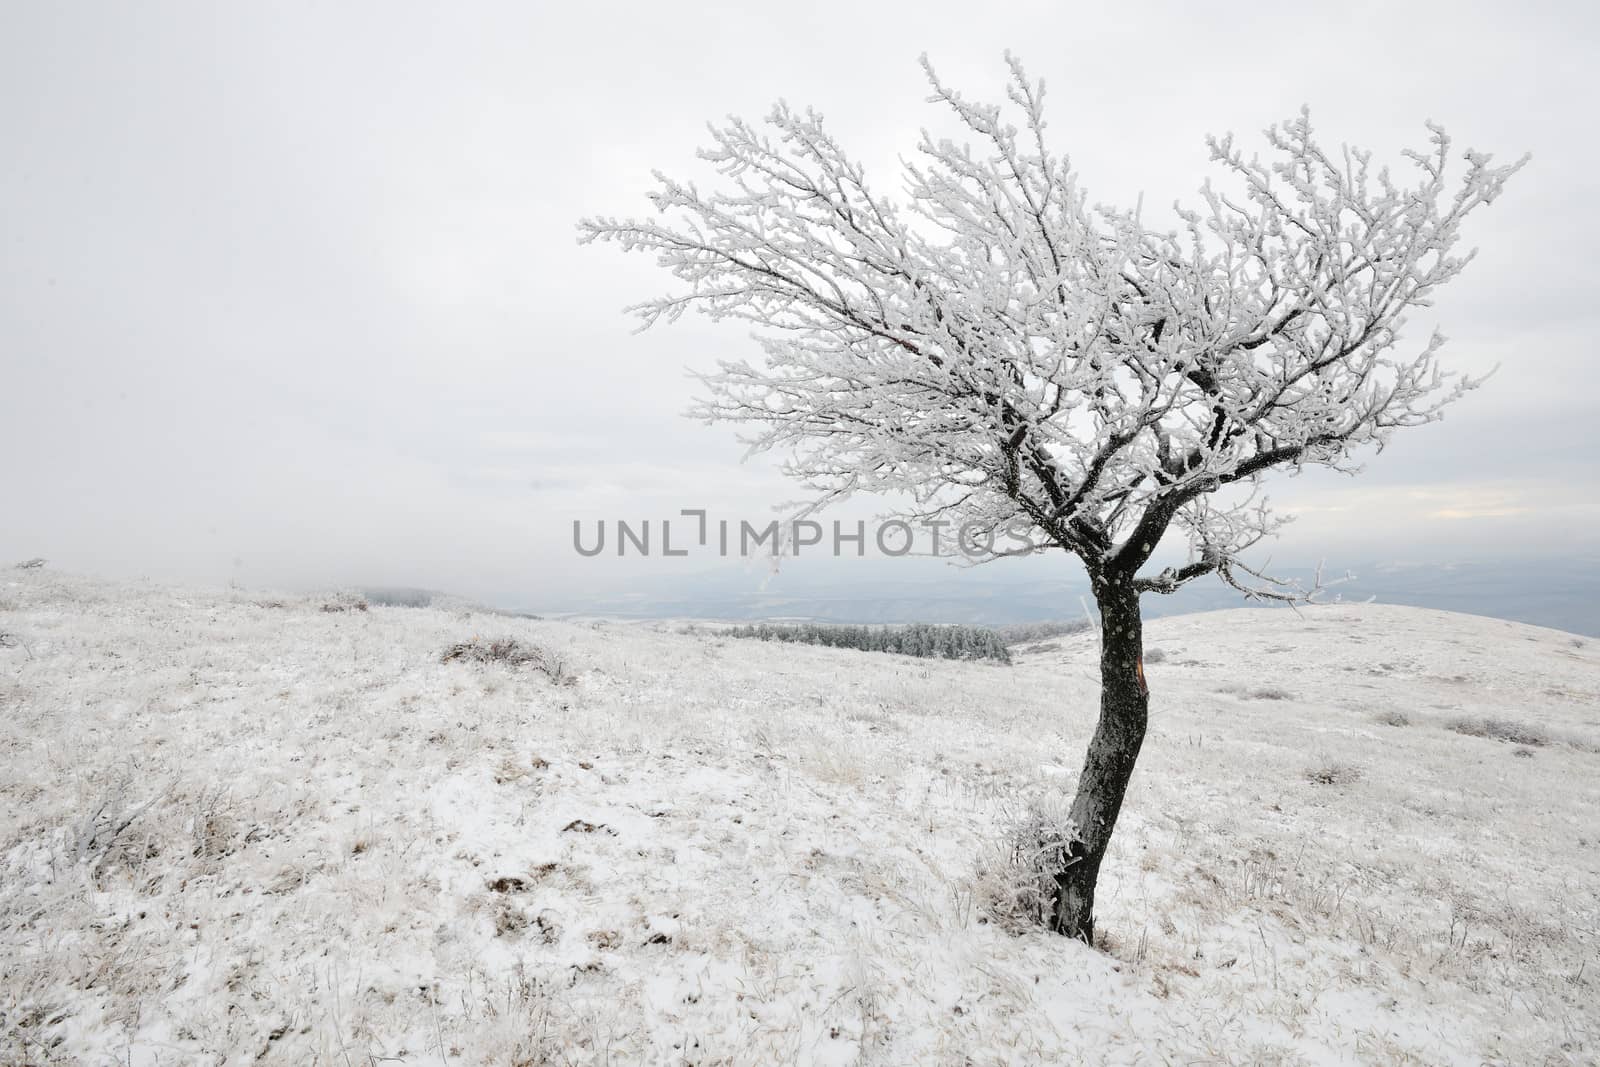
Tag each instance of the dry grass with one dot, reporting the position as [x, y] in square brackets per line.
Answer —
[1500, 730]
[1333, 772]
[342, 602]
[510, 652]
[1014, 884]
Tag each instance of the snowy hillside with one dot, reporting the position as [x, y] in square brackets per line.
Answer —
[247, 829]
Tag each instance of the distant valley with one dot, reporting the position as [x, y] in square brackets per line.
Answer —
[1561, 594]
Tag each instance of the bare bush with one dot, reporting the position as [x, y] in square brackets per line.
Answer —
[1500, 730]
[1392, 717]
[510, 652]
[345, 602]
[1155, 655]
[100, 837]
[1332, 772]
[1016, 884]
[1271, 693]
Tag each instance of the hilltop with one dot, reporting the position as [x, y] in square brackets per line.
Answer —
[283, 830]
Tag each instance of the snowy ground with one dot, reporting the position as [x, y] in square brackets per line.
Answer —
[243, 829]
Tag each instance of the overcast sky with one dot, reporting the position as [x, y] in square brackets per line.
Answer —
[290, 293]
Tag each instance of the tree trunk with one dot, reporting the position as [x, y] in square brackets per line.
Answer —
[1124, 706]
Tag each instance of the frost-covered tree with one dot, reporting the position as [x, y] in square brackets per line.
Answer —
[1009, 356]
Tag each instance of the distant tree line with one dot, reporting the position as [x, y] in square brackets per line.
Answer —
[914, 639]
[1021, 633]
[401, 597]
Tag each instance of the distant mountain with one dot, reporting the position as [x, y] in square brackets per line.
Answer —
[1562, 594]
[413, 597]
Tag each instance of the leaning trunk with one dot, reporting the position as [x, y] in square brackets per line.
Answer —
[1124, 704]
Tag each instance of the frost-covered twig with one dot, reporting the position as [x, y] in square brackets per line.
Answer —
[1010, 357]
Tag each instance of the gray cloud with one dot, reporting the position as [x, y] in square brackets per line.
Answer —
[292, 292]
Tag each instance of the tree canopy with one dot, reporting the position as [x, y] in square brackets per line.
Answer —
[1010, 355]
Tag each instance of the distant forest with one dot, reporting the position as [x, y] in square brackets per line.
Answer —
[1020, 633]
[915, 639]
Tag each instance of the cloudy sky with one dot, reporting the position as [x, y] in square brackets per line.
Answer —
[290, 293]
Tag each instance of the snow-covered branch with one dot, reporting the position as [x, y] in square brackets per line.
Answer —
[996, 346]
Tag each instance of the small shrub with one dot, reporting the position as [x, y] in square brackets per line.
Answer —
[1016, 888]
[1333, 773]
[1392, 717]
[512, 653]
[1271, 693]
[1523, 753]
[509, 920]
[32, 564]
[1155, 655]
[345, 602]
[1500, 730]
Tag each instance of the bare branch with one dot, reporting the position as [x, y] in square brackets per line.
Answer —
[999, 351]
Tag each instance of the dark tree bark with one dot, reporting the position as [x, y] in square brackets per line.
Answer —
[1124, 712]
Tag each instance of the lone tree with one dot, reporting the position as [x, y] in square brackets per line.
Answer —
[1014, 359]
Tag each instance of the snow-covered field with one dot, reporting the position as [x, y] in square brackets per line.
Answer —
[236, 828]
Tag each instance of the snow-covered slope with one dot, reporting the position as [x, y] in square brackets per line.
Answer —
[247, 829]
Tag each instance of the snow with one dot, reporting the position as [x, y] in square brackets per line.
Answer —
[716, 851]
